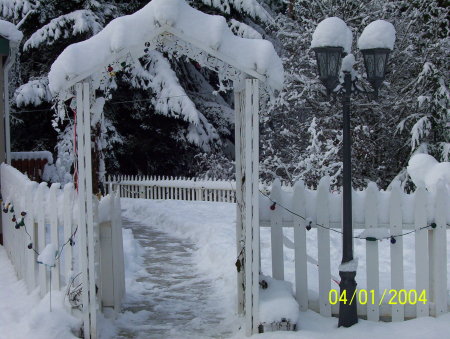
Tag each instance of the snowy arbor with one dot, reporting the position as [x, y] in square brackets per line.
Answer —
[175, 28]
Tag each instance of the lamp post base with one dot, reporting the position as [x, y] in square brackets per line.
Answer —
[347, 311]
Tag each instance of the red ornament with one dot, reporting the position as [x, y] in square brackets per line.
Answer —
[110, 69]
[272, 207]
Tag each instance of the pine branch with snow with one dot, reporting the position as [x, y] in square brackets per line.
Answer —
[63, 27]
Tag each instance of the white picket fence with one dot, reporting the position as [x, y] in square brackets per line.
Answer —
[380, 212]
[51, 217]
[175, 188]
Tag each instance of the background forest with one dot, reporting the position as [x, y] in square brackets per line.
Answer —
[146, 126]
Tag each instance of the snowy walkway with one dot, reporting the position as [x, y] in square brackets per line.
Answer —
[174, 300]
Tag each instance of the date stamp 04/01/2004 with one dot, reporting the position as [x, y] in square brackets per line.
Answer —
[393, 297]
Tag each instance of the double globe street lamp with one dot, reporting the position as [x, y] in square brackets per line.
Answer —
[332, 41]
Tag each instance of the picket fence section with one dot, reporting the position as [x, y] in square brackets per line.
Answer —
[35, 215]
[176, 188]
[378, 213]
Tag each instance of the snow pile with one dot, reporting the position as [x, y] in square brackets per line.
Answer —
[426, 171]
[130, 32]
[332, 32]
[25, 316]
[9, 31]
[277, 302]
[377, 34]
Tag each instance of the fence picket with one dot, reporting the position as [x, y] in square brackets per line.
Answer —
[276, 233]
[54, 239]
[421, 250]
[371, 220]
[323, 240]
[301, 269]
[438, 283]
[67, 210]
[396, 220]
[29, 222]
[41, 236]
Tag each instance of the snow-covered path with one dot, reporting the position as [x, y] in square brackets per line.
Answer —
[173, 299]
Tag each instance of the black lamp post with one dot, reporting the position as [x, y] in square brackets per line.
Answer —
[329, 60]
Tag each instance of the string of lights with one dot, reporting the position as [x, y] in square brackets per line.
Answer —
[368, 238]
[123, 102]
[21, 224]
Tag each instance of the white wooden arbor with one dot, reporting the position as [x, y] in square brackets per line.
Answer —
[177, 38]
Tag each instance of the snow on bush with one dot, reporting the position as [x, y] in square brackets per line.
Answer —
[426, 171]
[9, 31]
[34, 92]
[377, 34]
[332, 32]
[129, 32]
[65, 26]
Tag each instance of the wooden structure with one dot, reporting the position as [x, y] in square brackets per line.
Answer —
[49, 219]
[166, 36]
[32, 164]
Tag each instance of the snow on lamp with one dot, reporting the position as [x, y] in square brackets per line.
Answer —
[331, 40]
[376, 42]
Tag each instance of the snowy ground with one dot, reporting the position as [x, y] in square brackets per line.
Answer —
[208, 231]
[180, 278]
[25, 316]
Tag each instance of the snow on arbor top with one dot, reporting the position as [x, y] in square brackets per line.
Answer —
[377, 34]
[130, 31]
[332, 32]
[9, 31]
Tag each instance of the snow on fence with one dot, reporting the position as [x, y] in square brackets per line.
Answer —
[35, 216]
[176, 188]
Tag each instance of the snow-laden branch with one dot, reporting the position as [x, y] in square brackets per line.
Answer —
[15, 10]
[34, 92]
[250, 7]
[170, 99]
[63, 27]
